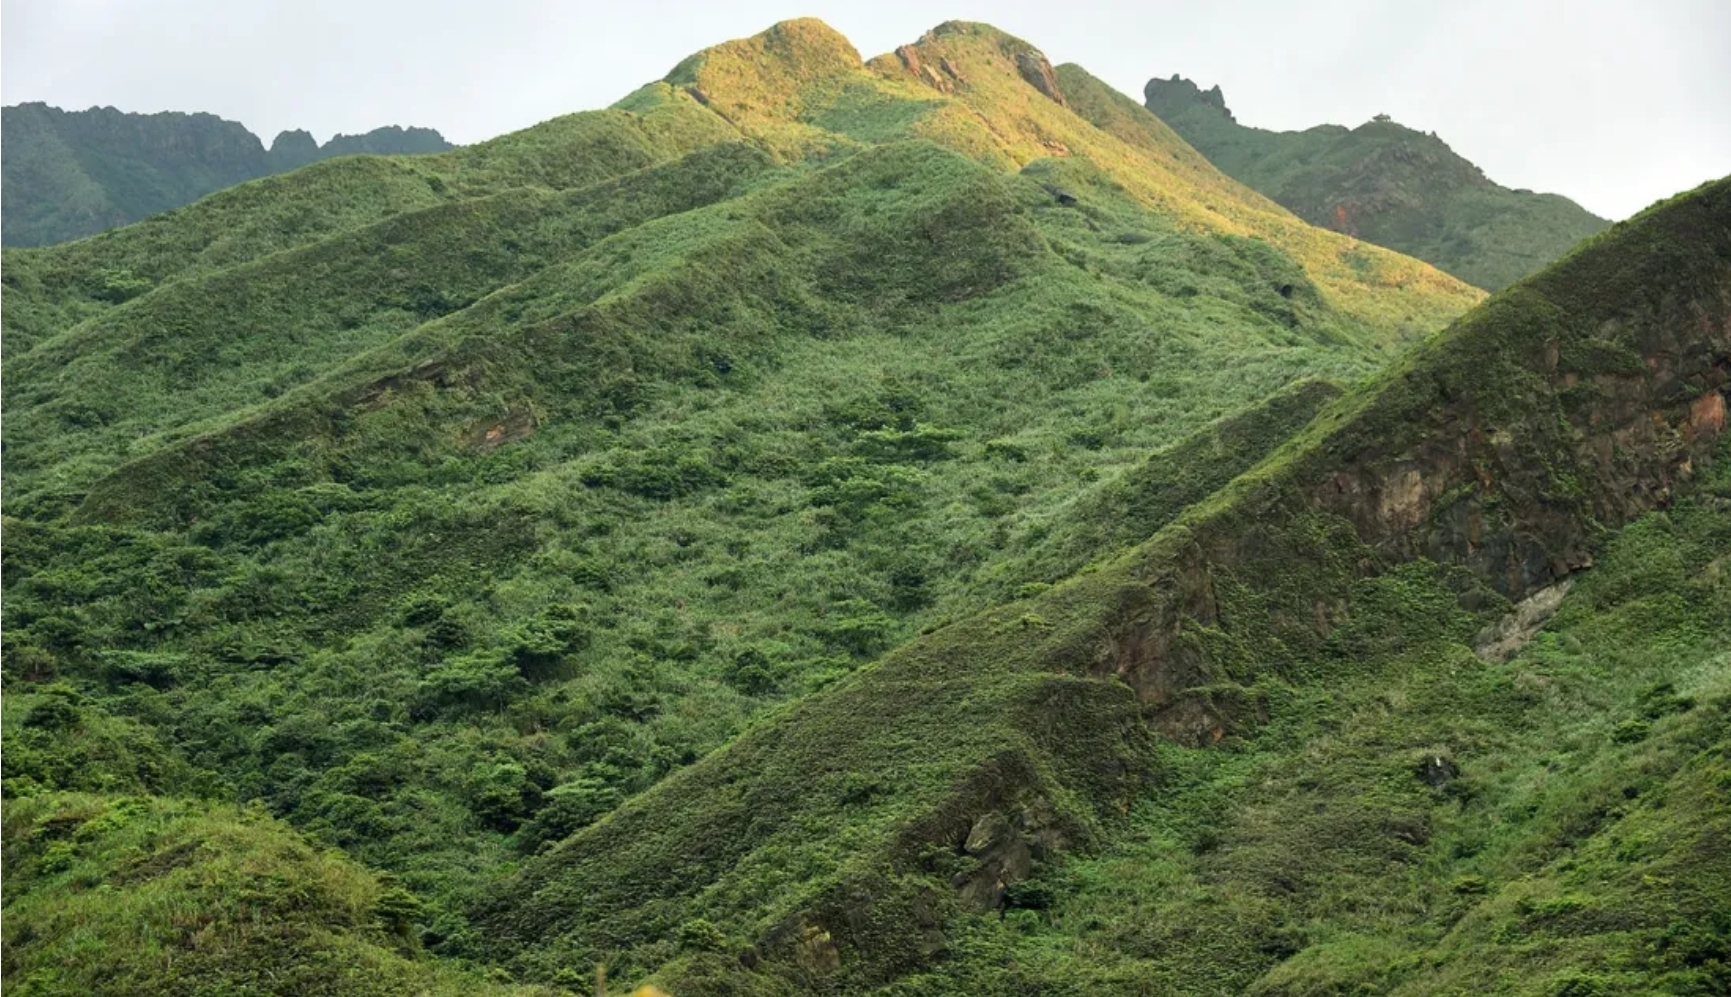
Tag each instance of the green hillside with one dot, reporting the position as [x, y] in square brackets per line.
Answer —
[1385, 183]
[69, 174]
[834, 526]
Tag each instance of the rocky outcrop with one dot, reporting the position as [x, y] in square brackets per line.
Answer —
[941, 77]
[1502, 639]
[293, 148]
[1033, 67]
[1178, 92]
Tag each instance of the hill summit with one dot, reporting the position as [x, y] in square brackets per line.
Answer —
[1385, 183]
[69, 174]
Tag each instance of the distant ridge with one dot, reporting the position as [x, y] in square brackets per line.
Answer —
[1385, 183]
[69, 174]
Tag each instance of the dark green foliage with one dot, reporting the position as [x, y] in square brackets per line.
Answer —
[1386, 184]
[1366, 745]
[1143, 499]
[549, 526]
[71, 174]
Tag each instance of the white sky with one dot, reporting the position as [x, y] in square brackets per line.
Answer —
[1615, 103]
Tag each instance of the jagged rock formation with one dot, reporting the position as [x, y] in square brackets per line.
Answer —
[1384, 183]
[69, 174]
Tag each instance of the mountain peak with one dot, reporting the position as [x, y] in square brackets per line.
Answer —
[294, 143]
[928, 61]
[1178, 91]
[1383, 182]
[794, 51]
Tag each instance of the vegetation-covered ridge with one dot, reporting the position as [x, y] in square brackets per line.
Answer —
[401, 524]
[1384, 183]
[70, 174]
[845, 841]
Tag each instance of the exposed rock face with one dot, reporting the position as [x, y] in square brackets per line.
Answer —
[942, 77]
[1499, 641]
[1004, 848]
[1034, 68]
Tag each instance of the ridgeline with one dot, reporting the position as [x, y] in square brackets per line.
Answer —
[1385, 183]
[70, 174]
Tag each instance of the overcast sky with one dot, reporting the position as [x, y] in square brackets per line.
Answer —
[1614, 103]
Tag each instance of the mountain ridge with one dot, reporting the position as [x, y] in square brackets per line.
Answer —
[71, 174]
[1384, 182]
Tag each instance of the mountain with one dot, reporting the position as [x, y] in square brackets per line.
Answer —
[70, 174]
[825, 525]
[1385, 183]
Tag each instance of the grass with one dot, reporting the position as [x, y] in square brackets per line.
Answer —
[141, 894]
[1252, 621]
[1567, 830]
[552, 524]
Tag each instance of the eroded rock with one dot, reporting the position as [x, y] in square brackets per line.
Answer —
[1034, 68]
[1005, 848]
[1503, 639]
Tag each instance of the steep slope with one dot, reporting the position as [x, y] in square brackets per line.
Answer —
[1384, 183]
[846, 841]
[69, 174]
[442, 505]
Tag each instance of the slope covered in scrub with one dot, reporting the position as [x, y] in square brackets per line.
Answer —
[551, 525]
[145, 895]
[1385, 183]
[845, 841]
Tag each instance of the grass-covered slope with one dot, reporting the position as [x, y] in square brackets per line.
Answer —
[146, 895]
[1294, 617]
[51, 290]
[1384, 183]
[446, 506]
[70, 174]
[1413, 820]
[440, 505]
